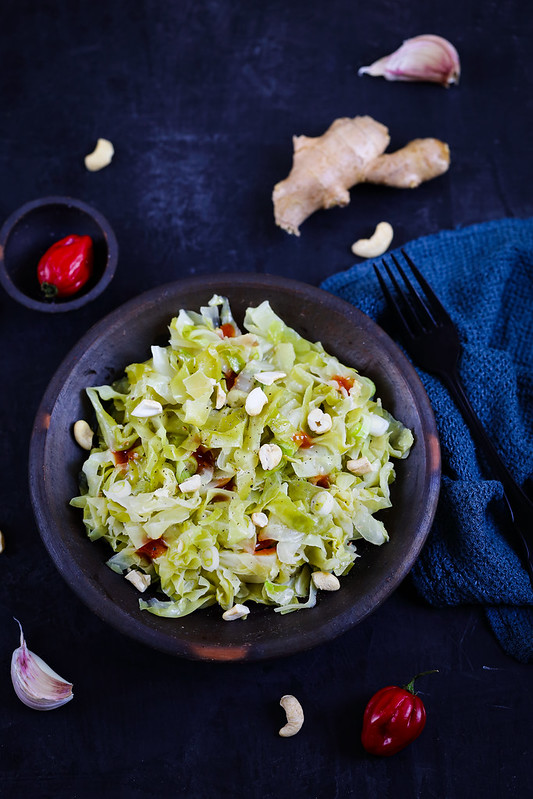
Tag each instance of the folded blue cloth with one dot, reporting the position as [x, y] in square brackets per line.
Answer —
[483, 275]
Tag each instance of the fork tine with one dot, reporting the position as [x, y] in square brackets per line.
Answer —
[418, 304]
[390, 300]
[438, 311]
[407, 318]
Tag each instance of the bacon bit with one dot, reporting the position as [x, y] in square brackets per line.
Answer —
[228, 330]
[153, 549]
[231, 377]
[302, 439]
[205, 458]
[321, 480]
[343, 382]
[266, 547]
[122, 457]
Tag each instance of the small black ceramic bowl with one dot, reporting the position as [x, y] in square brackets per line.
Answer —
[28, 233]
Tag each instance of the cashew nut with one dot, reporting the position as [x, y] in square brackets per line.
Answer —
[255, 401]
[259, 519]
[359, 466]
[318, 421]
[268, 378]
[83, 434]
[295, 716]
[101, 156]
[147, 408]
[236, 612]
[191, 484]
[377, 244]
[270, 455]
[220, 397]
[140, 580]
[325, 581]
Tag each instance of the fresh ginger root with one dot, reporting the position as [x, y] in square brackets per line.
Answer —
[351, 151]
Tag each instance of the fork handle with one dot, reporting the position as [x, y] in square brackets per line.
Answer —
[519, 503]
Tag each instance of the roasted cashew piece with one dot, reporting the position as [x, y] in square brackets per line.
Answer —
[359, 466]
[295, 715]
[138, 579]
[83, 434]
[325, 581]
[221, 396]
[101, 156]
[255, 401]
[376, 244]
[236, 612]
[318, 421]
[270, 456]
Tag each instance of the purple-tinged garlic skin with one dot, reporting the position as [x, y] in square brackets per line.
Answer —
[423, 58]
[35, 683]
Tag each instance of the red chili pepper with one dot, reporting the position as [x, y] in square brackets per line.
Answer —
[153, 549]
[66, 266]
[393, 718]
[343, 382]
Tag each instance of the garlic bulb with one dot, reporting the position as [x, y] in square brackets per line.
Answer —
[426, 58]
[35, 684]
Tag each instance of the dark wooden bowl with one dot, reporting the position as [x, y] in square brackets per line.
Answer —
[124, 337]
[32, 229]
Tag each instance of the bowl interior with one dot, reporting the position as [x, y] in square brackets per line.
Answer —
[30, 232]
[124, 337]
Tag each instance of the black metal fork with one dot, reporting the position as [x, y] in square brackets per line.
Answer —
[432, 340]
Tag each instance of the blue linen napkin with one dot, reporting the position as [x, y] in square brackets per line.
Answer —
[483, 275]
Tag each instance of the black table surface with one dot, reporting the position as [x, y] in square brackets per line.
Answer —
[201, 99]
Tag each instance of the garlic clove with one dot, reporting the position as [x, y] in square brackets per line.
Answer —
[35, 683]
[424, 58]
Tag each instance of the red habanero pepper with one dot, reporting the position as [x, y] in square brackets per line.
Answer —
[393, 718]
[66, 266]
[153, 549]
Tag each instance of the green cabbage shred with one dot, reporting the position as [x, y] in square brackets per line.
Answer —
[206, 549]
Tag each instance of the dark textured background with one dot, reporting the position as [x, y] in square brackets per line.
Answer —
[200, 100]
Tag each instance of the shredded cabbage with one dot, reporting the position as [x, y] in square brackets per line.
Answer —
[201, 546]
